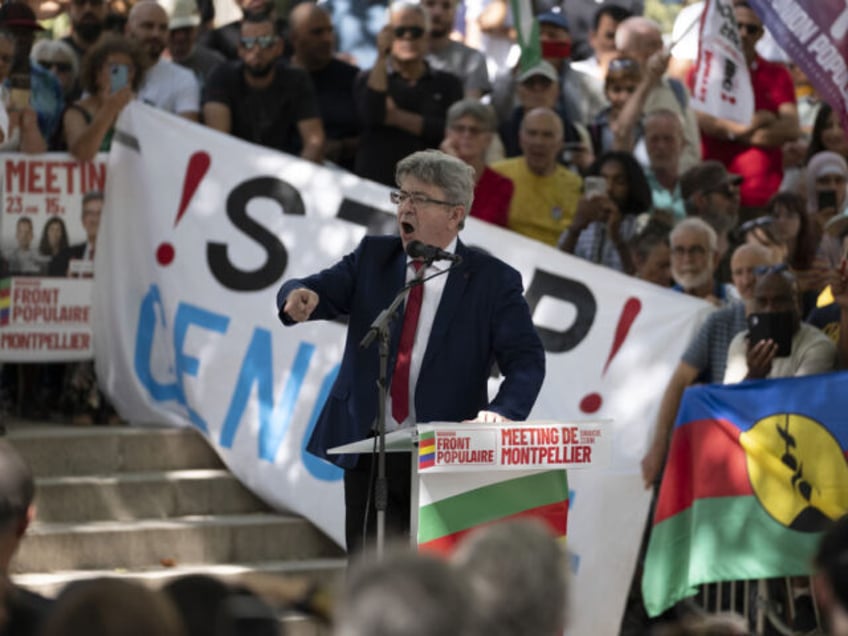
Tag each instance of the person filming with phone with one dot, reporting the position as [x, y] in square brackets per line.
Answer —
[111, 74]
[777, 344]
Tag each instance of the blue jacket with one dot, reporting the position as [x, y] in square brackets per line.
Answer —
[482, 319]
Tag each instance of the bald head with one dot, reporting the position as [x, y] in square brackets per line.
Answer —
[546, 117]
[147, 24]
[311, 36]
[743, 265]
[540, 138]
[638, 37]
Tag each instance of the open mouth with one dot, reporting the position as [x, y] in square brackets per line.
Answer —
[406, 228]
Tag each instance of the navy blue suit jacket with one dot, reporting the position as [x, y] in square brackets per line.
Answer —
[482, 318]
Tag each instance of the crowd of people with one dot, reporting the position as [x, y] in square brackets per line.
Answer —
[593, 149]
[507, 579]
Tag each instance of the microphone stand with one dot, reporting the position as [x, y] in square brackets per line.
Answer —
[380, 327]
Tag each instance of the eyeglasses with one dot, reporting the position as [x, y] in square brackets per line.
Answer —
[263, 41]
[61, 67]
[461, 129]
[761, 221]
[693, 250]
[750, 29]
[92, 3]
[763, 270]
[622, 64]
[414, 32]
[399, 197]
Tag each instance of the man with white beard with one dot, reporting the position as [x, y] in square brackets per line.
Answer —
[694, 259]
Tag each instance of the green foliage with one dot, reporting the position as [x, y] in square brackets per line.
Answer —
[664, 11]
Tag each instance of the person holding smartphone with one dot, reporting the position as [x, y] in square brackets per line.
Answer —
[19, 129]
[111, 73]
[777, 344]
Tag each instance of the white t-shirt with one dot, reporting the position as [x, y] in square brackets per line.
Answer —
[812, 352]
[170, 87]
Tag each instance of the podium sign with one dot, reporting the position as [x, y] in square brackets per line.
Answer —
[529, 445]
[473, 474]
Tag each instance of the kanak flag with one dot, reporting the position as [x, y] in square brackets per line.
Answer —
[722, 84]
[755, 472]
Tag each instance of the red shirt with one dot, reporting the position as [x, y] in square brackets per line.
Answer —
[492, 196]
[762, 168]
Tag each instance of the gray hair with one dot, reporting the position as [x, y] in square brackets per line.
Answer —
[55, 47]
[17, 486]
[518, 574]
[452, 175]
[664, 113]
[405, 594]
[406, 5]
[696, 224]
[631, 29]
[469, 107]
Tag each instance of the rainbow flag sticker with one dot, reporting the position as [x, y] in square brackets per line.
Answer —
[427, 450]
[5, 300]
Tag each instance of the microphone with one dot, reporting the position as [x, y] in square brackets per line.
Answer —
[417, 249]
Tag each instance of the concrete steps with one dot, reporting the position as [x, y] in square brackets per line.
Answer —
[153, 504]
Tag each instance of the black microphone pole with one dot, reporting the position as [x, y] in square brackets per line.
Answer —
[380, 327]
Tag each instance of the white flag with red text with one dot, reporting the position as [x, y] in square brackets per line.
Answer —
[722, 86]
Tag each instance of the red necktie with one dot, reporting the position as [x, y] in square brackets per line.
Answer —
[400, 378]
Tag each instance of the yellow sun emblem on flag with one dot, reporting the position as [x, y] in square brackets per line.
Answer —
[798, 471]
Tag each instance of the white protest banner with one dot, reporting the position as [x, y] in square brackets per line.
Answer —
[44, 319]
[722, 86]
[187, 275]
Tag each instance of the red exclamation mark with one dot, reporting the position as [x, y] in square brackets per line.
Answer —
[592, 402]
[198, 165]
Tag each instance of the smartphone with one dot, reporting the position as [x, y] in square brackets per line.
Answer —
[593, 186]
[19, 93]
[826, 199]
[118, 76]
[772, 326]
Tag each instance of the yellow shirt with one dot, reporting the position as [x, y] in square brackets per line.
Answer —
[542, 207]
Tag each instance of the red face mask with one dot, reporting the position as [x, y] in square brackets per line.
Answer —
[556, 49]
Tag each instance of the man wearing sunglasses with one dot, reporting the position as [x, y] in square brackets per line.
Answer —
[260, 99]
[754, 150]
[402, 102]
[441, 354]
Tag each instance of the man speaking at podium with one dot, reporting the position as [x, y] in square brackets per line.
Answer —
[442, 345]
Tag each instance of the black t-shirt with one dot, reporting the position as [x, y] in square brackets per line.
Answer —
[334, 90]
[266, 116]
[381, 146]
[26, 611]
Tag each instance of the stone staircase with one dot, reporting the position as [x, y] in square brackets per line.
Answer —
[154, 504]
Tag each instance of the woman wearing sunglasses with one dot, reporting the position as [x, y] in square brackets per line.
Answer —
[58, 58]
[112, 71]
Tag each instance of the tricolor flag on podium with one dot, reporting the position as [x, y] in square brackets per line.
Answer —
[755, 472]
[453, 504]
